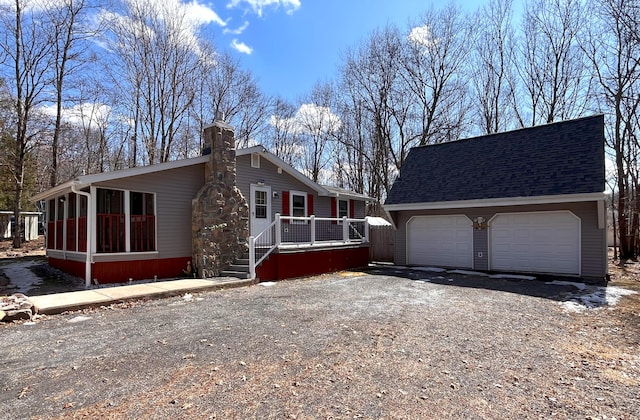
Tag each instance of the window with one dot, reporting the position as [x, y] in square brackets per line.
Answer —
[343, 208]
[71, 222]
[260, 204]
[298, 204]
[110, 221]
[255, 160]
[142, 222]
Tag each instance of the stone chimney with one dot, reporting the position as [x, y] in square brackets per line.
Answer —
[220, 214]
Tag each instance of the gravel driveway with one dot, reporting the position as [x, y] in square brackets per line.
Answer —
[389, 343]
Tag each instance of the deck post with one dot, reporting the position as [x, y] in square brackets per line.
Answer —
[366, 229]
[278, 231]
[252, 257]
[313, 228]
[345, 229]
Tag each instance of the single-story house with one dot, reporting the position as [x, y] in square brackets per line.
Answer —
[197, 216]
[530, 200]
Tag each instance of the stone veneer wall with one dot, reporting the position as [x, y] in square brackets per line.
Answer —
[220, 214]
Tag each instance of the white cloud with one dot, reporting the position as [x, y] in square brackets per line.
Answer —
[237, 31]
[202, 15]
[422, 36]
[309, 118]
[257, 6]
[84, 115]
[241, 47]
[185, 19]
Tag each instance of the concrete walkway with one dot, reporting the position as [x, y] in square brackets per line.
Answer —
[61, 302]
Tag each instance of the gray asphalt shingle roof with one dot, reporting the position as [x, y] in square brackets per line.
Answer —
[559, 158]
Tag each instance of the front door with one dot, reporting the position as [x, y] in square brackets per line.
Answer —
[260, 208]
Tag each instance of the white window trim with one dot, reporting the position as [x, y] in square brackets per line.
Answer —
[255, 160]
[338, 207]
[306, 204]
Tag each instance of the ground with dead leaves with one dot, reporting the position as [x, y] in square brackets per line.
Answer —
[389, 343]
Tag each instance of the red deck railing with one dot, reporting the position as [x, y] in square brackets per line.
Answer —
[59, 234]
[143, 233]
[51, 235]
[82, 234]
[110, 232]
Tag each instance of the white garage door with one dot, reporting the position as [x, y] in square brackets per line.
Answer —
[443, 241]
[543, 242]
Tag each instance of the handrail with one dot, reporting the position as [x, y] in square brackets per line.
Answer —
[253, 263]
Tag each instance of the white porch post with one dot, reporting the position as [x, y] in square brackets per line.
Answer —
[345, 229]
[91, 231]
[312, 220]
[278, 238]
[366, 229]
[252, 257]
[65, 212]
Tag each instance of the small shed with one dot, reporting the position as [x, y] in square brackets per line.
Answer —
[28, 224]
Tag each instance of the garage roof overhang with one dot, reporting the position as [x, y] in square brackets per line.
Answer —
[496, 202]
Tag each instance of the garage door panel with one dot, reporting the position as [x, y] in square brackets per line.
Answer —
[440, 241]
[536, 242]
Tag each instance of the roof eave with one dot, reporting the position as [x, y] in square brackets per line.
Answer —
[494, 202]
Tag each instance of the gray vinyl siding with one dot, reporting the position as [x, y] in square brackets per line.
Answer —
[268, 173]
[593, 240]
[174, 189]
[480, 244]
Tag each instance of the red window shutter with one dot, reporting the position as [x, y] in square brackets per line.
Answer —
[285, 205]
[309, 204]
[334, 209]
[352, 209]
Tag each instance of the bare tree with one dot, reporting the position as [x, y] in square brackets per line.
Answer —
[552, 66]
[315, 127]
[155, 62]
[435, 73]
[68, 47]
[614, 53]
[280, 136]
[27, 58]
[370, 81]
[233, 92]
[491, 64]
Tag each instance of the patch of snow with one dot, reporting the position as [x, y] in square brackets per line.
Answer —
[188, 297]
[512, 276]
[579, 286]
[466, 272]
[594, 297]
[267, 283]
[615, 293]
[78, 319]
[438, 278]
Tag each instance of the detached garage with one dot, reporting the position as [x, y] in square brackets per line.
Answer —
[527, 201]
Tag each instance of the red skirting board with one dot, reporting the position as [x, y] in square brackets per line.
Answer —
[292, 264]
[122, 271]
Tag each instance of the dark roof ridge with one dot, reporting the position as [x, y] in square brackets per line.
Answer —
[508, 132]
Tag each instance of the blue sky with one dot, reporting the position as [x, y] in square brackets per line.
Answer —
[289, 45]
